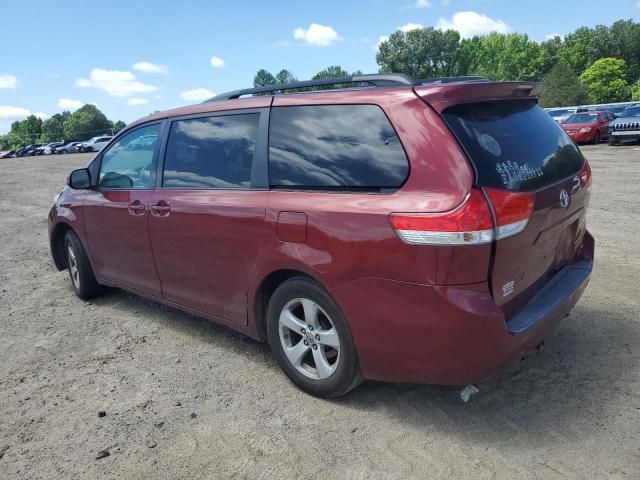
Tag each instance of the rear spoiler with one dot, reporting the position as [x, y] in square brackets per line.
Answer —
[441, 96]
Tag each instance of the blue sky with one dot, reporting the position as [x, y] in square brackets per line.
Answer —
[133, 57]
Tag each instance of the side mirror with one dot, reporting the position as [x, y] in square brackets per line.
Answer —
[80, 179]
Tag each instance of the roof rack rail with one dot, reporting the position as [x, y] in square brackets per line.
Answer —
[454, 79]
[376, 80]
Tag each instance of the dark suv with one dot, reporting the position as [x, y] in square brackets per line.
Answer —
[399, 230]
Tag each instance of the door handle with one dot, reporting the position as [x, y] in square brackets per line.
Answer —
[161, 209]
[136, 208]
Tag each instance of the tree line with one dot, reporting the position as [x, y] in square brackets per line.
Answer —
[589, 65]
[86, 122]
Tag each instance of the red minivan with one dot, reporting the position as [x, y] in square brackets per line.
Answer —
[390, 229]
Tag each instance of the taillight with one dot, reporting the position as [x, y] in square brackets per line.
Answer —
[512, 210]
[469, 224]
[585, 175]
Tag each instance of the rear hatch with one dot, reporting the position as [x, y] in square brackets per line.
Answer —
[536, 182]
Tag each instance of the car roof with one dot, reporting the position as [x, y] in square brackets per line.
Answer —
[436, 92]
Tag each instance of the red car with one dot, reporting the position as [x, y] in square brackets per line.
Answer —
[399, 230]
[588, 127]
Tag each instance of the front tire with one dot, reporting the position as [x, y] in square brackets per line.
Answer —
[83, 280]
[310, 339]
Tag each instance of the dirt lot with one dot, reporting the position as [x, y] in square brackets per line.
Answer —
[185, 398]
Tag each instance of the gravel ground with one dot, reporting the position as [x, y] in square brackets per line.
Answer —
[184, 398]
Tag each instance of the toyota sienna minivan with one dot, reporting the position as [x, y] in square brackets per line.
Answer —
[391, 229]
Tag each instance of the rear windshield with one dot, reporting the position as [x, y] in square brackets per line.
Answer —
[514, 144]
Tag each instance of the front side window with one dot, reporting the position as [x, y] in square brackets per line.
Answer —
[334, 147]
[211, 152]
[126, 164]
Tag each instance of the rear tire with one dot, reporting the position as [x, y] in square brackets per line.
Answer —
[83, 280]
[320, 357]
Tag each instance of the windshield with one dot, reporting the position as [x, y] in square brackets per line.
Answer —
[557, 113]
[514, 144]
[630, 112]
[582, 118]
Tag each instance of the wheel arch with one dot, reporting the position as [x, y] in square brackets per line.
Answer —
[57, 244]
[265, 290]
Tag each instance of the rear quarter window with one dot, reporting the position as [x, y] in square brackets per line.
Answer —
[514, 144]
[335, 147]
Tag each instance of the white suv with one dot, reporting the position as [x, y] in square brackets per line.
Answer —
[95, 144]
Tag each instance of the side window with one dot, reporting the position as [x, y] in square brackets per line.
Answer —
[211, 152]
[129, 162]
[334, 147]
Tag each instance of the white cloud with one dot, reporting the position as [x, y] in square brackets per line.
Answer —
[470, 23]
[115, 82]
[137, 101]
[197, 94]
[317, 35]
[404, 28]
[410, 26]
[69, 104]
[41, 115]
[422, 4]
[551, 36]
[7, 112]
[148, 67]
[217, 62]
[8, 81]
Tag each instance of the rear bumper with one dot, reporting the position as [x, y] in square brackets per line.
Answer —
[407, 332]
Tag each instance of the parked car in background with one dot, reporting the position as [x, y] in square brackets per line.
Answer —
[625, 128]
[69, 146]
[48, 149]
[8, 154]
[590, 127]
[561, 114]
[95, 144]
[29, 150]
[410, 231]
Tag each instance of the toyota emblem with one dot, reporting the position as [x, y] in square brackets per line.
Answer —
[564, 198]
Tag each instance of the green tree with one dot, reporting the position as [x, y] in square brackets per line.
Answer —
[263, 78]
[24, 132]
[635, 91]
[550, 50]
[501, 56]
[625, 40]
[562, 88]
[421, 53]
[605, 81]
[331, 72]
[86, 122]
[285, 76]
[52, 129]
[576, 49]
[119, 125]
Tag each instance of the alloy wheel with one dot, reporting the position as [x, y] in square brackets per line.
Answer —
[309, 338]
[73, 267]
